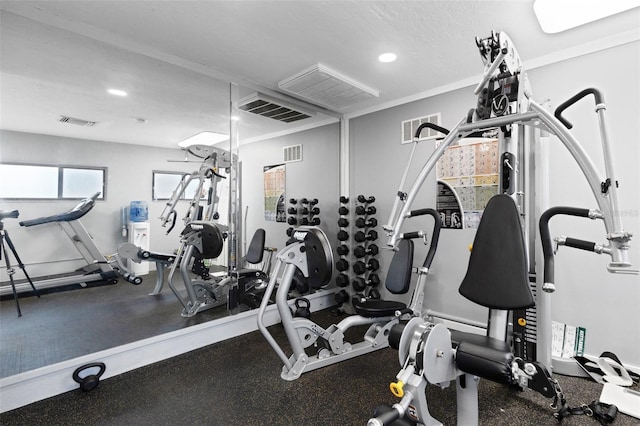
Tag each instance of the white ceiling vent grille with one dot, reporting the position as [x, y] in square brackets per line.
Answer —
[262, 105]
[409, 128]
[323, 86]
[76, 121]
[292, 153]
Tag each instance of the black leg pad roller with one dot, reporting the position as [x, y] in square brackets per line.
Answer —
[485, 362]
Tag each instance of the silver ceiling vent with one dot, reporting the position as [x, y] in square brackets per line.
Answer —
[323, 86]
[265, 106]
[76, 121]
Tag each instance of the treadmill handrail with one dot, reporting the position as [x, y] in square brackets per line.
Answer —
[74, 214]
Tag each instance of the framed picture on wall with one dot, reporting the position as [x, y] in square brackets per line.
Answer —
[274, 193]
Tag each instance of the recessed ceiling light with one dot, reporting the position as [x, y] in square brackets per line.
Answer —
[203, 138]
[387, 57]
[555, 16]
[117, 92]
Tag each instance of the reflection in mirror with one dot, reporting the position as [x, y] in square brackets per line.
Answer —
[47, 74]
[57, 111]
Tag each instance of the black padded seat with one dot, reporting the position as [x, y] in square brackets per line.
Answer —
[372, 308]
[486, 360]
[398, 281]
[256, 247]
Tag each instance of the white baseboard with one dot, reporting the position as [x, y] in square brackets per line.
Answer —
[35, 385]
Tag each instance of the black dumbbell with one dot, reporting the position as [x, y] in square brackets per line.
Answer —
[292, 210]
[373, 280]
[344, 200]
[342, 265]
[362, 210]
[342, 250]
[357, 298]
[342, 280]
[343, 211]
[358, 284]
[315, 210]
[366, 200]
[304, 201]
[315, 221]
[361, 251]
[343, 235]
[304, 211]
[289, 231]
[374, 294]
[313, 201]
[360, 267]
[293, 201]
[292, 220]
[341, 297]
[366, 223]
[343, 222]
[304, 221]
[371, 235]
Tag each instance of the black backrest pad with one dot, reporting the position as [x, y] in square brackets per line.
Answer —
[256, 247]
[497, 275]
[399, 273]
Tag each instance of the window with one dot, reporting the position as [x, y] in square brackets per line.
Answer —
[41, 182]
[164, 183]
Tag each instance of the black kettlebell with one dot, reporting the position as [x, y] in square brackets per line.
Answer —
[303, 308]
[90, 381]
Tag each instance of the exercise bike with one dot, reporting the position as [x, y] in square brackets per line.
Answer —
[310, 253]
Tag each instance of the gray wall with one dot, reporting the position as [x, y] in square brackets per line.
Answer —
[316, 176]
[587, 295]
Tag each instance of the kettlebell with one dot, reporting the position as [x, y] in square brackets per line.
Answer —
[90, 381]
[303, 308]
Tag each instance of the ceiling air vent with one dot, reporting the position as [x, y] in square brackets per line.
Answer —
[323, 86]
[263, 105]
[292, 153]
[76, 121]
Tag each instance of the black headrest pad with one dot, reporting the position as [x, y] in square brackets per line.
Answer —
[399, 274]
[497, 276]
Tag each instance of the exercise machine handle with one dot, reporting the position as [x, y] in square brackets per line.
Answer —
[580, 244]
[13, 214]
[566, 104]
[437, 225]
[384, 418]
[547, 243]
[430, 126]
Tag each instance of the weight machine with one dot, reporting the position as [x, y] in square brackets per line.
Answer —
[518, 353]
[311, 254]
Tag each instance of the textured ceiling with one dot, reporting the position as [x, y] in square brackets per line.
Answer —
[177, 57]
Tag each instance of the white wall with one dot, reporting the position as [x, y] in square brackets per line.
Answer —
[45, 249]
[587, 295]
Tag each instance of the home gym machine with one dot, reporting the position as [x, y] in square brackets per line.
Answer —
[520, 353]
[311, 254]
[99, 267]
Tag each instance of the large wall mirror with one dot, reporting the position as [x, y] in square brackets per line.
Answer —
[57, 112]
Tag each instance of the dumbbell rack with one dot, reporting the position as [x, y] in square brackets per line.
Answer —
[362, 273]
[306, 214]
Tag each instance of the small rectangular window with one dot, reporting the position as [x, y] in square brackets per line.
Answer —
[45, 182]
[164, 183]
